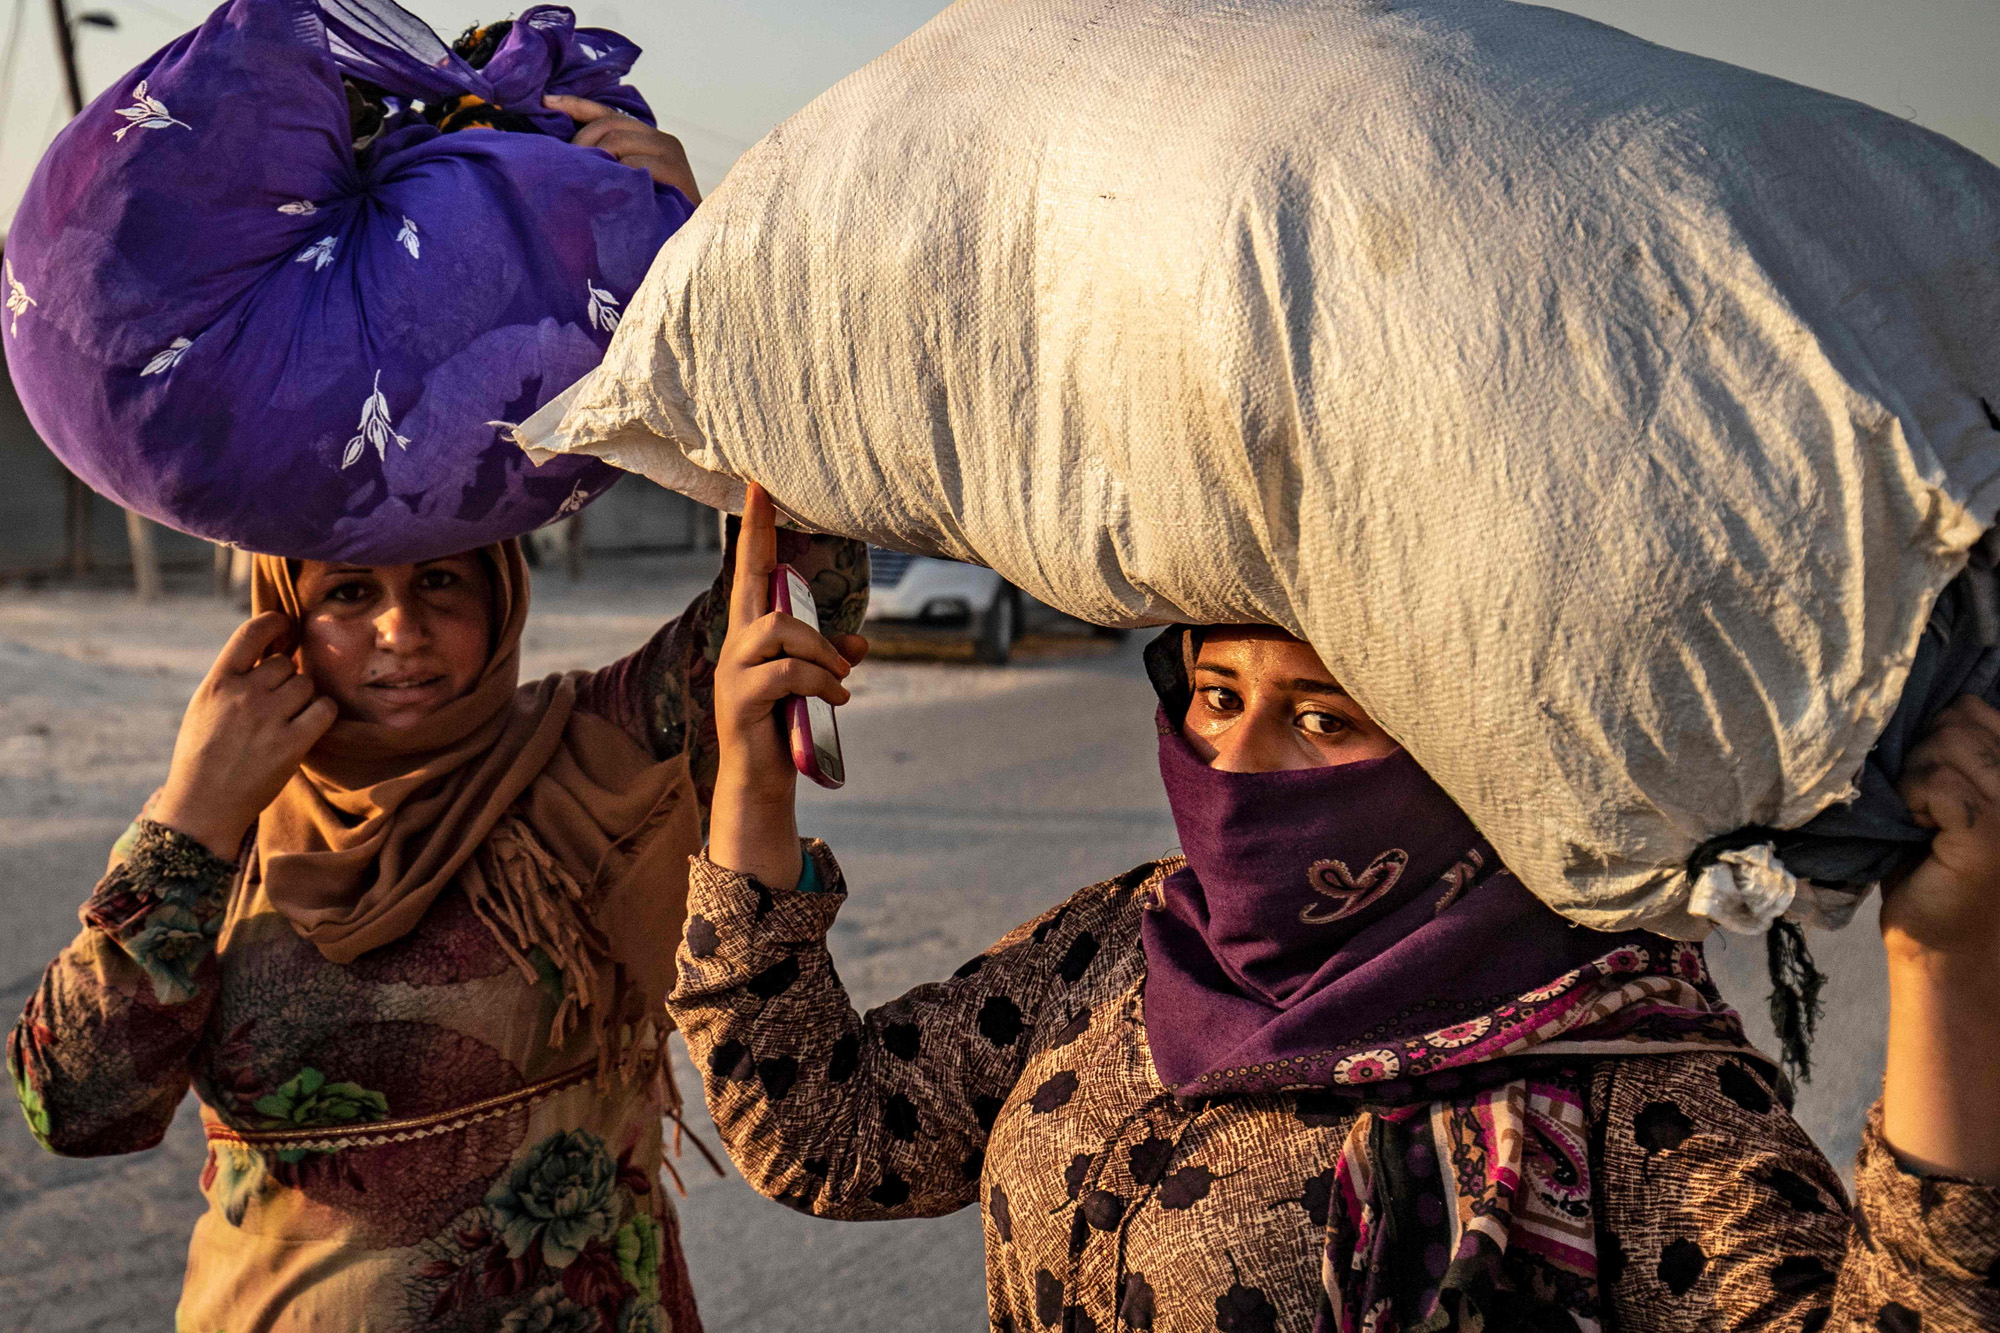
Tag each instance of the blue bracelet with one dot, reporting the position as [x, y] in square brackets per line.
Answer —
[809, 875]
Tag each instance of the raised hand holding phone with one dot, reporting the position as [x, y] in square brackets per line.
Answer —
[768, 658]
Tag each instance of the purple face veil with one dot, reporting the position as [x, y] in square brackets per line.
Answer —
[1331, 913]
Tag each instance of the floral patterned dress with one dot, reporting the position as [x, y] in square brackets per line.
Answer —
[393, 1143]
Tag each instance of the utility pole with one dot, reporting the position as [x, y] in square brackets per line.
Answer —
[66, 48]
[76, 513]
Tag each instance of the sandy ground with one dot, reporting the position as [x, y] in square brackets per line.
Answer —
[977, 797]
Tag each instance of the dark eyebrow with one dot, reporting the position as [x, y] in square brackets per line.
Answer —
[1302, 684]
[351, 569]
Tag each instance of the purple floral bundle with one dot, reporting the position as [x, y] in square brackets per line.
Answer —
[236, 308]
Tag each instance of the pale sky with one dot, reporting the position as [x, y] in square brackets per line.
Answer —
[721, 73]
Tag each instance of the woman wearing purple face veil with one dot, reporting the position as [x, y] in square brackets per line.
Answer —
[1332, 1069]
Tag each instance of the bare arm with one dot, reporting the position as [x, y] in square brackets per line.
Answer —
[1941, 924]
[766, 657]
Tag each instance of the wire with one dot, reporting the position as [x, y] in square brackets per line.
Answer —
[7, 55]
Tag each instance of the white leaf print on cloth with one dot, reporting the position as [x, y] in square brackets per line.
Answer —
[577, 499]
[167, 359]
[603, 307]
[407, 238]
[18, 299]
[147, 112]
[319, 254]
[299, 208]
[375, 429]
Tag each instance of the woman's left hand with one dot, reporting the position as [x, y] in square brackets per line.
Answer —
[633, 142]
[1950, 903]
[1941, 922]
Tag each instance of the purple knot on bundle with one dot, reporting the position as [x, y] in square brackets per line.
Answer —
[259, 292]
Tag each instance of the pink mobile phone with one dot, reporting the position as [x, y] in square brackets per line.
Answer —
[815, 735]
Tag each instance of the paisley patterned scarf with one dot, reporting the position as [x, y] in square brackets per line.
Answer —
[1475, 1211]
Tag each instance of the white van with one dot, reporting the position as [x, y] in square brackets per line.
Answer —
[921, 592]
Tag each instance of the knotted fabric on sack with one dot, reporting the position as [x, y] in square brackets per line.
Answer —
[561, 830]
[1607, 418]
[240, 305]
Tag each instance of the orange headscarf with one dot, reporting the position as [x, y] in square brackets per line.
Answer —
[565, 834]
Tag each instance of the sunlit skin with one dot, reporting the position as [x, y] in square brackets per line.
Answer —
[1264, 703]
[391, 644]
[766, 656]
[632, 142]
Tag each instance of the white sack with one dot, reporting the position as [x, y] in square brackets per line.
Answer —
[1606, 417]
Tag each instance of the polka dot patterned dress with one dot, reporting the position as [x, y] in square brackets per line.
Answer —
[1024, 1084]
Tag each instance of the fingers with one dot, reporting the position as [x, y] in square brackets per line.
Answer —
[780, 678]
[852, 647]
[1943, 798]
[1953, 774]
[777, 635]
[1975, 711]
[293, 695]
[1966, 735]
[625, 138]
[272, 672]
[617, 133]
[253, 639]
[579, 109]
[314, 720]
[633, 142]
[756, 557]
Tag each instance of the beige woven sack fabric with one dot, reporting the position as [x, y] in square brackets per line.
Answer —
[1607, 418]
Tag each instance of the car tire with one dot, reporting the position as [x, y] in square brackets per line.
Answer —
[999, 627]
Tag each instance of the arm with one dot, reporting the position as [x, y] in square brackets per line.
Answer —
[1941, 926]
[1734, 1219]
[826, 1110]
[100, 1054]
[1718, 1212]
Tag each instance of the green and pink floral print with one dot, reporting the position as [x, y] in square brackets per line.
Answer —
[393, 1142]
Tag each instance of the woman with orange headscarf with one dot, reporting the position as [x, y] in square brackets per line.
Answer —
[407, 926]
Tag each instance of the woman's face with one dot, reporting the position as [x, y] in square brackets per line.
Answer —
[392, 644]
[1262, 703]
